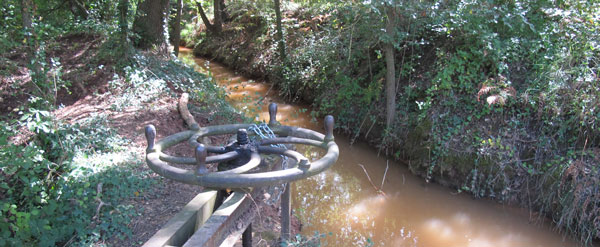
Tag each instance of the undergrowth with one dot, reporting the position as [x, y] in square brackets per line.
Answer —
[74, 183]
[52, 187]
[71, 184]
[498, 99]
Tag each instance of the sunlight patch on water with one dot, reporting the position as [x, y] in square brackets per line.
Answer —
[459, 231]
[369, 207]
[437, 232]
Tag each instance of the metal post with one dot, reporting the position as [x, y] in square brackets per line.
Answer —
[150, 132]
[272, 114]
[286, 206]
[247, 237]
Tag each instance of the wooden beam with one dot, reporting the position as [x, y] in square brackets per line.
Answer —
[227, 224]
[183, 224]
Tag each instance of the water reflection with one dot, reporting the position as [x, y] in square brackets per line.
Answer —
[329, 208]
[365, 207]
[342, 203]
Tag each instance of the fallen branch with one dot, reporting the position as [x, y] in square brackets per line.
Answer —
[377, 189]
[369, 131]
[360, 127]
[387, 165]
[98, 199]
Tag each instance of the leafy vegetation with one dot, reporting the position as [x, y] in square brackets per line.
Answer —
[499, 98]
[71, 184]
[52, 187]
[300, 240]
[74, 182]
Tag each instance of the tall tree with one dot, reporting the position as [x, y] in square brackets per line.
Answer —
[218, 13]
[151, 24]
[280, 40]
[177, 27]
[224, 15]
[123, 8]
[218, 6]
[26, 13]
[123, 52]
[390, 76]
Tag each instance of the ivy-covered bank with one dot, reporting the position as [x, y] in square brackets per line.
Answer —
[495, 98]
[71, 171]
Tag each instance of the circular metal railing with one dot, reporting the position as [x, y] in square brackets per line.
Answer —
[244, 152]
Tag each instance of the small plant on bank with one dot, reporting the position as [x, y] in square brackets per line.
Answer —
[306, 241]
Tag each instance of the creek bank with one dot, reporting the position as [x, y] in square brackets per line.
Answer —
[485, 150]
[99, 126]
[239, 50]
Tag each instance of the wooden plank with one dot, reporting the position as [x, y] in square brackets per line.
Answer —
[227, 224]
[184, 223]
[240, 226]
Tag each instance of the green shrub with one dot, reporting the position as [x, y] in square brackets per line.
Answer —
[52, 187]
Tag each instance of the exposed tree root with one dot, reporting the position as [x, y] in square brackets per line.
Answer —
[185, 113]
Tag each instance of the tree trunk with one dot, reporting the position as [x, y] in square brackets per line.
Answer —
[177, 27]
[217, 12]
[214, 28]
[123, 8]
[207, 23]
[26, 13]
[151, 25]
[390, 81]
[224, 15]
[281, 42]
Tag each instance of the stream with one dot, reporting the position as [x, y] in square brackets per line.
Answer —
[342, 207]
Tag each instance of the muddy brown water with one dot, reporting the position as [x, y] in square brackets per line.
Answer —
[341, 207]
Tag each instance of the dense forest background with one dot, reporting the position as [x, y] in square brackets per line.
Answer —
[495, 98]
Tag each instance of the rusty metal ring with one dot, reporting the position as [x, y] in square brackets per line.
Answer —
[238, 178]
